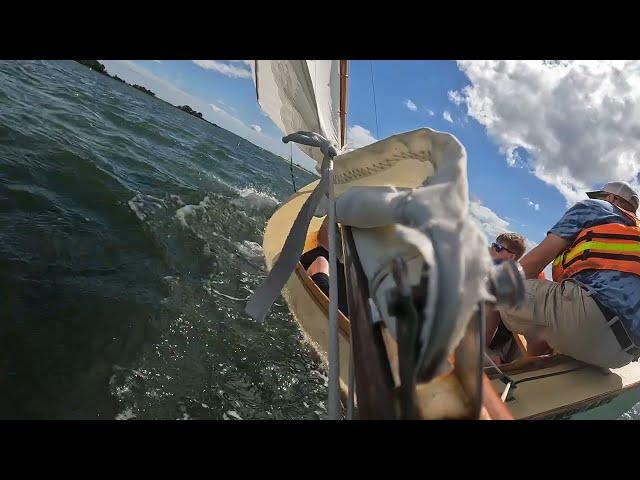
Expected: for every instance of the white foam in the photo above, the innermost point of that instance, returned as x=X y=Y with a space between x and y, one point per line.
x=184 y=212
x=145 y=205
x=231 y=413
x=252 y=198
x=126 y=415
x=188 y=210
x=250 y=250
x=177 y=199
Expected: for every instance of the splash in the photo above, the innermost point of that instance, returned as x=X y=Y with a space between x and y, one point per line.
x=145 y=206
x=255 y=199
x=252 y=251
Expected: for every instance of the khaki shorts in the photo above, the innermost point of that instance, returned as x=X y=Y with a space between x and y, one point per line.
x=568 y=319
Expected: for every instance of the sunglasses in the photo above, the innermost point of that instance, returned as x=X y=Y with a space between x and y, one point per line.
x=498 y=248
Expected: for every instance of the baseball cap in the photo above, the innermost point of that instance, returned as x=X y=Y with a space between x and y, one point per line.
x=621 y=189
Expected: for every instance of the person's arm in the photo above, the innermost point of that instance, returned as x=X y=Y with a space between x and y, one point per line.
x=540 y=256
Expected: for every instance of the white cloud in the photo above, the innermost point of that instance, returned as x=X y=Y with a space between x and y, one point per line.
x=228 y=69
x=455 y=97
x=257 y=128
x=410 y=105
x=578 y=121
x=216 y=108
x=431 y=113
x=447 y=116
x=221 y=102
x=490 y=223
x=487 y=220
x=358 y=136
x=534 y=205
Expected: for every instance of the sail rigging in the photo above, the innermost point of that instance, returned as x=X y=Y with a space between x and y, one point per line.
x=304 y=95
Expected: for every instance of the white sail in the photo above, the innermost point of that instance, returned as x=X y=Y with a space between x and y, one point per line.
x=301 y=95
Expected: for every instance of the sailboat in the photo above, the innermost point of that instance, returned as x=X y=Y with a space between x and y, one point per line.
x=417 y=273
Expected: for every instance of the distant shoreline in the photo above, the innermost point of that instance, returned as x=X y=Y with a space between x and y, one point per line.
x=100 y=68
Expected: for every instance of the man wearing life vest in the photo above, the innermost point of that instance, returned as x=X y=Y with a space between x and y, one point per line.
x=591 y=310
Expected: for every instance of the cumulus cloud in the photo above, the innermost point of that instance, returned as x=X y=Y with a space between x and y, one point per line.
x=578 y=121
x=447 y=116
x=410 y=105
x=228 y=69
x=490 y=223
x=257 y=128
x=358 y=136
x=431 y=113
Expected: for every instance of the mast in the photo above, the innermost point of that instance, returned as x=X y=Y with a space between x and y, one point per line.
x=344 y=75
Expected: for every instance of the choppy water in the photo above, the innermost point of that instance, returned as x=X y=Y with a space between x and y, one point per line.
x=129 y=234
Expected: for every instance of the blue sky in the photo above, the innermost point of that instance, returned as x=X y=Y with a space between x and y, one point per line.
x=528 y=127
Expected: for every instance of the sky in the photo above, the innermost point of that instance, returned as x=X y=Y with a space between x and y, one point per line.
x=538 y=134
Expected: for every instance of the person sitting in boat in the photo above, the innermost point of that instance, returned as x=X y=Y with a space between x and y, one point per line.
x=507 y=246
x=591 y=309
x=316 y=263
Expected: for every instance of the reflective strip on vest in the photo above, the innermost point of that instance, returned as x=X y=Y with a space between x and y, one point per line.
x=611 y=246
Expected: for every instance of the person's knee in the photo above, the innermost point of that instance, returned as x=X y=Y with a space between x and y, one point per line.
x=319 y=265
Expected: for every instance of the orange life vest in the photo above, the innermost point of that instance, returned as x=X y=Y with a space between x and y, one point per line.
x=612 y=246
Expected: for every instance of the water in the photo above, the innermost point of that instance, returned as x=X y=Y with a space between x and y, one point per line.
x=130 y=234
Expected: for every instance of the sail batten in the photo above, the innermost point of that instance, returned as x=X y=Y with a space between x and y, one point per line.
x=302 y=95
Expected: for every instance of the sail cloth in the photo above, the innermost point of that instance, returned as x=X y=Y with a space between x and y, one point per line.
x=428 y=224
x=301 y=95
x=407 y=195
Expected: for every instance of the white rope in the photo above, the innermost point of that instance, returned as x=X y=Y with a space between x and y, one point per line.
x=229 y=296
x=508 y=381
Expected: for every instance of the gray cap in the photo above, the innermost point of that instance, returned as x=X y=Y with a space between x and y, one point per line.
x=621 y=189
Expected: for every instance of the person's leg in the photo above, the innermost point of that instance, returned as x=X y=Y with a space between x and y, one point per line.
x=563 y=315
x=319 y=273
x=319 y=265
x=536 y=347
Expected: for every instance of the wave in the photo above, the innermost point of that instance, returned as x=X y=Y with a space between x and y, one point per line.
x=255 y=199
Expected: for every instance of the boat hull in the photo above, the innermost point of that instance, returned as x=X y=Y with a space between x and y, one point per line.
x=548 y=387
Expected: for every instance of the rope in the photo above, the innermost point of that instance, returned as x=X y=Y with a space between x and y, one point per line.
x=375 y=107
x=229 y=296
x=270 y=289
x=293 y=179
x=504 y=377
